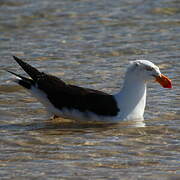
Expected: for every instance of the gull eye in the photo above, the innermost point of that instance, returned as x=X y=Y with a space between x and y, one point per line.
x=149 y=68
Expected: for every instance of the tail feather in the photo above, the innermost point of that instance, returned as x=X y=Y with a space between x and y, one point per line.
x=31 y=71
x=23 y=81
x=24 y=84
x=22 y=77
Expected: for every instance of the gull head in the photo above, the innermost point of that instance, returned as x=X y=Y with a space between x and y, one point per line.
x=147 y=71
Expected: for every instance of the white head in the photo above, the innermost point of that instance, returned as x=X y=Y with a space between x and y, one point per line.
x=146 y=71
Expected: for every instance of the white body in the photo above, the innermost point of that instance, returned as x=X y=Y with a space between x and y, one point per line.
x=131 y=101
x=127 y=111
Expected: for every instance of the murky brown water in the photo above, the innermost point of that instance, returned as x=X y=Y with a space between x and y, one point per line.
x=89 y=43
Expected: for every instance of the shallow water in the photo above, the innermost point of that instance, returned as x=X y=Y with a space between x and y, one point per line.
x=89 y=43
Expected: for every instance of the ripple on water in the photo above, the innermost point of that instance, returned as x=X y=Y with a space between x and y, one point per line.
x=89 y=44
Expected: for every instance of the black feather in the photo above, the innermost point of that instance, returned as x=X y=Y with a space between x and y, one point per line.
x=23 y=81
x=31 y=71
x=63 y=95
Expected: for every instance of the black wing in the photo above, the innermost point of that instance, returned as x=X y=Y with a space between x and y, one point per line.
x=63 y=95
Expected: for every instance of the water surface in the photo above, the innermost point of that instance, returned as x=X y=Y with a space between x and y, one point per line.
x=89 y=43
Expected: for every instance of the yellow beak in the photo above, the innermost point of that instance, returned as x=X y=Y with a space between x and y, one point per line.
x=164 y=81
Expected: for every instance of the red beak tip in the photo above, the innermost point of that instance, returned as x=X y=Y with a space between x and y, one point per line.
x=169 y=85
x=164 y=81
